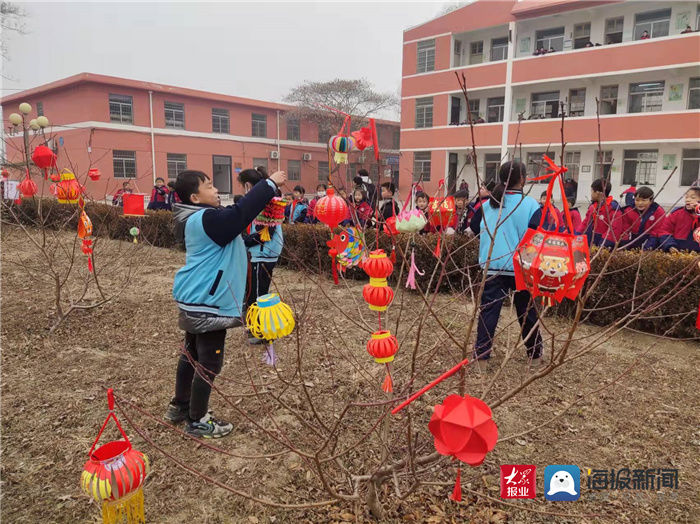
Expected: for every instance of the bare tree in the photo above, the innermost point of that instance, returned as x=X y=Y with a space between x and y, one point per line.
x=12 y=19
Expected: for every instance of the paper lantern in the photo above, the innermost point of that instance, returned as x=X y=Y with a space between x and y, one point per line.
x=94 y=174
x=44 y=159
x=341 y=146
x=350 y=251
x=84 y=233
x=410 y=221
x=377 y=294
x=331 y=209
x=68 y=189
x=442 y=212
x=25 y=108
x=133 y=204
x=390 y=226
x=382 y=346
x=4 y=173
x=269 y=319
x=271 y=216
x=463 y=428
x=378 y=264
x=114 y=475
x=27 y=187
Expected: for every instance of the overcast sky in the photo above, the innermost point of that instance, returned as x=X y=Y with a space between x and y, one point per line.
x=252 y=49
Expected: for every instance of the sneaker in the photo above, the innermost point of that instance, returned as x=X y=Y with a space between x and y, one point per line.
x=176 y=413
x=208 y=427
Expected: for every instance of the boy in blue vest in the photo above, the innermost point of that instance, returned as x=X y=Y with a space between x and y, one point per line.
x=209 y=289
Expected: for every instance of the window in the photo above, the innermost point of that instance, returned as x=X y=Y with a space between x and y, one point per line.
x=476 y=52
x=577 y=101
x=39 y=109
x=293 y=130
x=260 y=162
x=545 y=105
x=535 y=163
x=120 y=109
x=550 y=38
x=259 y=125
x=694 y=94
x=582 y=35
x=572 y=163
x=124 y=163
x=455 y=110
x=608 y=100
x=492 y=161
x=613 y=30
x=639 y=167
x=323 y=174
x=494 y=109
x=690 y=169
x=457 y=49
x=219 y=121
x=221 y=169
x=175 y=115
x=421 y=166
x=424 y=112
x=425 y=56
x=603 y=164
x=646 y=97
x=654 y=23
x=176 y=164
x=474 y=109
x=499 y=49
x=294 y=169
x=396 y=143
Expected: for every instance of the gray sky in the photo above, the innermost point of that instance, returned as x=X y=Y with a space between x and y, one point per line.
x=257 y=50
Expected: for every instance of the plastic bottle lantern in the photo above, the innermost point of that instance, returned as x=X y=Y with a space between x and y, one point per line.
x=331 y=209
x=68 y=189
x=94 y=174
x=341 y=146
x=463 y=428
x=269 y=319
x=114 y=475
x=44 y=159
x=442 y=211
x=27 y=186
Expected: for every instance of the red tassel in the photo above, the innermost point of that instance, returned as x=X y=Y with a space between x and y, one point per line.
x=437 y=248
x=90 y=264
x=335 y=271
x=457 y=491
x=697 y=322
x=387 y=385
x=393 y=255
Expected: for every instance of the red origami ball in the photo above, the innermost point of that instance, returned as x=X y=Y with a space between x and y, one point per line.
x=331 y=209
x=377 y=265
x=43 y=157
x=378 y=296
x=463 y=428
x=382 y=346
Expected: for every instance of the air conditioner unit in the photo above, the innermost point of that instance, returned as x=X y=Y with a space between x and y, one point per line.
x=274 y=155
x=306 y=157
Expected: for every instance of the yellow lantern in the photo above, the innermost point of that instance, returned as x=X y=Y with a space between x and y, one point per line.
x=269 y=319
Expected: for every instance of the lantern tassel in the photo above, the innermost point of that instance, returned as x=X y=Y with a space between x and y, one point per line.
x=437 y=248
x=334 y=265
x=393 y=255
x=413 y=271
x=265 y=234
x=90 y=267
x=457 y=491
x=387 y=385
x=129 y=507
x=340 y=158
x=270 y=356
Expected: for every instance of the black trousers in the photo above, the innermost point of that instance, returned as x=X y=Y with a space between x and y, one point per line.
x=190 y=387
x=260 y=279
x=496 y=289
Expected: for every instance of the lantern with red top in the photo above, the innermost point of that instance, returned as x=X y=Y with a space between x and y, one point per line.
x=382 y=346
x=332 y=210
x=552 y=264
x=94 y=174
x=68 y=190
x=44 y=159
x=27 y=187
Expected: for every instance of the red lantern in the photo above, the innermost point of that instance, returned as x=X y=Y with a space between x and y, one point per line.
x=4 y=173
x=382 y=346
x=331 y=209
x=68 y=190
x=442 y=212
x=463 y=428
x=94 y=174
x=378 y=264
x=44 y=159
x=27 y=186
x=133 y=204
x=377 y=294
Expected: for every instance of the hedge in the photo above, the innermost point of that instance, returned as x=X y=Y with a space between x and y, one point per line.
x=305 y=249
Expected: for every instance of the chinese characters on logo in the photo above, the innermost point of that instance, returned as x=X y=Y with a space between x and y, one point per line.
x=518 y=481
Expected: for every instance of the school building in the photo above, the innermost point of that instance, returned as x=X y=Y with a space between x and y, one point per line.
x=522 y=60
x=136 y=130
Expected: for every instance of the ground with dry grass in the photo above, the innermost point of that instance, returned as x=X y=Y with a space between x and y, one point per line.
x=53 y=402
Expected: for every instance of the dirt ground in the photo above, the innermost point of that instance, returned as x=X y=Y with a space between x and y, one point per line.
x=53 y=402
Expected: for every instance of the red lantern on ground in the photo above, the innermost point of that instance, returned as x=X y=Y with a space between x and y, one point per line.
x=27 y=186
x=331 y=209
x=94 y=174
x=463 y=428
x=442 y=212
x=68 y=189
x=382 y=346
x=44 y=159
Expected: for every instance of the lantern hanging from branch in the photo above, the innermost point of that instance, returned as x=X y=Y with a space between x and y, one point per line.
x=332 y=210
x=349 y=248
x=114 y=475
x=377 y=293
x=341 y=146
x=68 y=189
x=27 y=187
x=269 y=319
x=411 y=221
x=463 y=428
x=44 y=159
x=94 y=174
x=271 y=216
x=382 y=346
x=85 y=233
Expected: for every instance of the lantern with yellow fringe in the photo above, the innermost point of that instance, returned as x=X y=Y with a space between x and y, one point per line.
x=68 y=189
x=269 y=319
x=271 y=216
x=382 y=346
x=341 y=146
x=114 y=475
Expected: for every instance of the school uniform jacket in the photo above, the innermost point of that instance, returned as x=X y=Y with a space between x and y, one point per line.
x=641 y=230
x=601 y=225
x=677 y=230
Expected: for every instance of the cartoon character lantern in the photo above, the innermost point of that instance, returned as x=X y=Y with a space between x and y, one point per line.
x=114 y=475
x=332 y=210
x=269 y=319
x=552 y=264
x=68 y=189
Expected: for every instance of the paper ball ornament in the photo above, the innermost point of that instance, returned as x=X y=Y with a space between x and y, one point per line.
x=382 y=346
x=269 y=318
x=25 y=108
x=45 y=159
x=341 y=146
x=331 y=209
x=27 y=186
x=410 y=221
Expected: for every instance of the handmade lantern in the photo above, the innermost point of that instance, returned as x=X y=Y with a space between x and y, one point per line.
x=378 y=265
x=377 y=293
x=134 y=232
x=85 y=233
x=348 y=246
x=442 y=212
x=331 y=209
x=133 y=204
x=269 y=319
x=552 y=264
x=114 y=475
x=68 y=189
x=27 y=187
x=44 y=159
x=94 y=174
x=341 y=146
x=271 y=216
x=463 y=428
x=410 y=221
x=382 y=346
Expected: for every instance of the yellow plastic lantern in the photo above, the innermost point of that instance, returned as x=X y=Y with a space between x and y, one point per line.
x=270 y=318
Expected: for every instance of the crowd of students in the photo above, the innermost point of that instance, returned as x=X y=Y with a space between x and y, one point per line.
x=163 y=196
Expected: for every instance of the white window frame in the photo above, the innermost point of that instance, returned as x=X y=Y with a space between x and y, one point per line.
x=421 y=166
x=694 y=89
x=652 y=99
x=645 y=166
x=424 y=112
x=457 y=53
x=655 y=25
x=499 y=49
x=425 y=56
x=293 y=124
x=122 y=162
x=174 y=115
x=177 y=163
x=538 y=108
x=583 y=37
x=492 y=162
x=476 y=58
x=690 y=155
x=535 y=163
x=573 y=164
x=121 y=108
x=474 y=108
x=606 y=98
x=608 y=32
x=258 y=125
x=500 y=108
x=542 y=37
x=577 y=108
x=220 y=120
x=600 y=167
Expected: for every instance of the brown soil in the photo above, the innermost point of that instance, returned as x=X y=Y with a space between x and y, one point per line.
x=53 y=402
